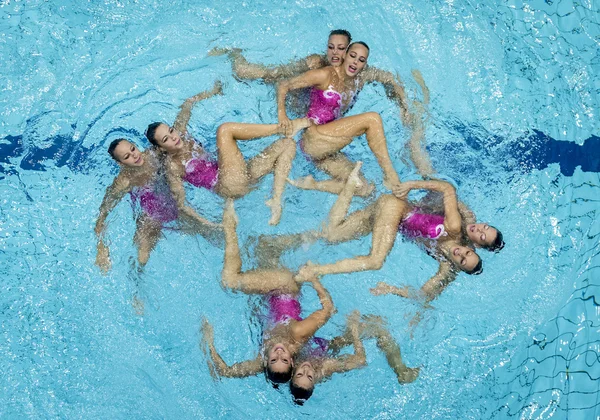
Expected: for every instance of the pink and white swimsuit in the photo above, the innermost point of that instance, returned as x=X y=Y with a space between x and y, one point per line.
x=326 y=105
x=422 y=225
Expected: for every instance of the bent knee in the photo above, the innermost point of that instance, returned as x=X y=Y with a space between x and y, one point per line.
x=224 y=132
x=288 y=144
x=229 y=280
x=375 y=263
x=373 y=118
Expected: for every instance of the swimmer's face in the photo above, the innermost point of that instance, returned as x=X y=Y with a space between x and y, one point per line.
x=304 y=376
x=482 y=234
x=128 y=154
x=355 y=59
x=279 y=359
x=464 y=257
x=336 y=46
x=168 y=138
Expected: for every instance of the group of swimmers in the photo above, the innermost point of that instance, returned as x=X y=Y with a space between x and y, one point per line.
x=444 y=226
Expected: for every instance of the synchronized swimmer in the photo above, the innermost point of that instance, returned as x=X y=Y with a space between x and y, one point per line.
x=440 y=223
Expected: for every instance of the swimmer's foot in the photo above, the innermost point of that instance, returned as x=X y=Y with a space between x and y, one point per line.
x=354 y=177
x=421 y=82
x=276 y=209
x=299 y=124
x=304 y=183
x=217 y=51
x=408 y=375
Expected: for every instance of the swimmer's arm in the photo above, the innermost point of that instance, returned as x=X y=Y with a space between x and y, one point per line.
x=418 y=154
x=394 y=88
x=237 y=370
x=183 y=118
x=318 y=77
x=114 y=193
x=176 y=185
x=303 y=330
x=348 y=362
x=445 y=275
x=466 y=213
x=252 y=71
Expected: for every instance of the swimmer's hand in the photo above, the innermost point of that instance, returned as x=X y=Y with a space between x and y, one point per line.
x=307 y=274
x=103 y=257
x=353 y=320
x=208 y=333
x=401 y=190
x=285 y=127
x=217 y=88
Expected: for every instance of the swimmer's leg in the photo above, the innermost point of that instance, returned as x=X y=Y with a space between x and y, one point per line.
x=339 y=167
x=276 y=158
x=388 y=212
x=146 y=237
x=270 y=247
x=340 y=227
x=324 y=140
x=421 y=82
x=250 y=282
x=234 y=176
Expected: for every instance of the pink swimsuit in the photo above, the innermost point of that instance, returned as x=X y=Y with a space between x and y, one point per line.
x=283 y=308
x=202 y=172
x=422 y=225
x=326 y=105
x=156 y=202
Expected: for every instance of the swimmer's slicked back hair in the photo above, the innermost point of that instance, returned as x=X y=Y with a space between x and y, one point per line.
x=364 y=44
x=278 y=377
x=112 y=146
x=478 y=269
x=341 y=32
x=498 y=244
x=151 y=131
x=300 y=394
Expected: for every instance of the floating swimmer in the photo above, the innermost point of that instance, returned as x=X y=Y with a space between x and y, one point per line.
x=285 y=333
x=141 y=176
x=320 y=359
x=337 y=44
x=230 y=175
x=333 y=92
x=390 y=215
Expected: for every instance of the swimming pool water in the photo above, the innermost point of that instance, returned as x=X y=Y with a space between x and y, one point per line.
x=512 y=82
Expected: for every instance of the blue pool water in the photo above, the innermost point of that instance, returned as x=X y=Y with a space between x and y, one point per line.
x=514 y=123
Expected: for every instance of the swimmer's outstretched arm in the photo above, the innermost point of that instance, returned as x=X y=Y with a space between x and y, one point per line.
x=185 y=113
x=348 y=362
x=318 y=77
x=445 y=275
x=303 y=330
x=114 y=194
x=394 y=88
x=237 y=370
x=251 y=71
x=200 y=224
